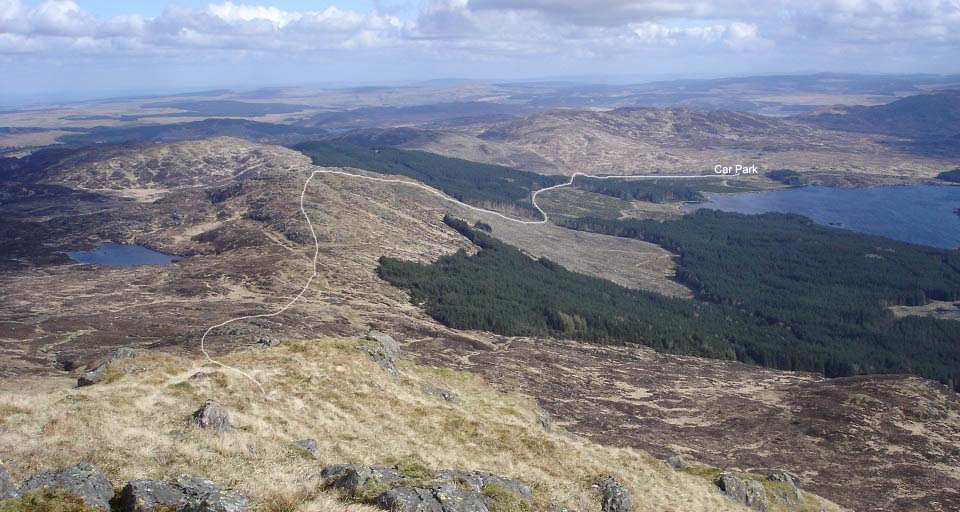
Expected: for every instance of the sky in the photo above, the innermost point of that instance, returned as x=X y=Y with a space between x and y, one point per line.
x=56 y=50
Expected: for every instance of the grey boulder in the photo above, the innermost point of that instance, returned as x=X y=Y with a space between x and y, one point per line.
x=677 y=462
x=147 y=495
x=747 y=491
x=383 y=349
x=309 y=445
x=213 y=416
x=443 y=394
x=353 y=477
x=7 y=489
x=613 y=496
x=84 y=481
x=93 y=376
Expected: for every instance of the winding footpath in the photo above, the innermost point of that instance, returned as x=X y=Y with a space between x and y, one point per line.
x=316 y=241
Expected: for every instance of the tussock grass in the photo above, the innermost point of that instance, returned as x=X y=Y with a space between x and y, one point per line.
x=137 y=426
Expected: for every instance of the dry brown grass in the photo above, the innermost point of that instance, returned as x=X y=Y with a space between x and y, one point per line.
x=137 y=427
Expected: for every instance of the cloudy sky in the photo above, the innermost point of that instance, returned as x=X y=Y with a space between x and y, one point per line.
x=66 y=49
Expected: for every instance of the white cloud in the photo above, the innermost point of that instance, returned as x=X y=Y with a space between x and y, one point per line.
x=484 y=28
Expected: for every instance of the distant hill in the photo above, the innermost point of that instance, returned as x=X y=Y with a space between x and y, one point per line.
x=240 y=128
x=922 y=116
x=675 y=126
x=447 y=113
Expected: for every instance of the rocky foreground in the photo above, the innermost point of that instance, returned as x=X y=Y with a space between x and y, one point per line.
x=346 y=424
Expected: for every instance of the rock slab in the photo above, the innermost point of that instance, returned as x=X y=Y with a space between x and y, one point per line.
x=183 y=493
x=84 y=481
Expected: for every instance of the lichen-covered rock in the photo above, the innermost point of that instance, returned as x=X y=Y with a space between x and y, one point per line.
x=677 y=462
x=183 y=493
x=545 y=420
x=383 y=349
x=745 y=490
x=7 y=489
x=194 y=488
x=478 y=480
x=147 y=495
x=409 y=499
x=266 y=340
x=614 y=496
x=453 y=499
x=222 y=501
x=93 y=376
x=213 y=416
x=84 y=481
x=355 y=478
x=791 y=493
x=444 y=394
x=310 y=446
x=440 y=491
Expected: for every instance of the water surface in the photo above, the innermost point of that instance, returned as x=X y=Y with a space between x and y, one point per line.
x=121 y=255
x=920 y=214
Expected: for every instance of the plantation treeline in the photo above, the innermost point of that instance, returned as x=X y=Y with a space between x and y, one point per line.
x=500 y=289
x=471 y=182
x=654 y=191
x=831 y=288
x=787 y=177
x=774 y=290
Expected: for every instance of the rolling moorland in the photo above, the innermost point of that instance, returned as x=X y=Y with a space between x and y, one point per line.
x=620 y=371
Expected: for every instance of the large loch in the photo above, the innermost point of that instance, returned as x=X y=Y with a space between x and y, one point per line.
x=920 y=214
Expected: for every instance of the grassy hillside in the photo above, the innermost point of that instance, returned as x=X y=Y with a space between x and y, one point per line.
x=136 y=426
x=471 y=182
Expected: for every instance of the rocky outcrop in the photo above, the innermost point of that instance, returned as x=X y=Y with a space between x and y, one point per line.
x=439 y=499
x=444 y=394
x=184 y=493
x=745 y=490
x=677 y=462
x=213 y=416
x=437 y=491
x=147 y=495
x=7 y=489
x=96 y=375
x=309 y=446
x=788 y=491
x=613 y=496
x=383 y=349
x=84 y=481
x=353 y=478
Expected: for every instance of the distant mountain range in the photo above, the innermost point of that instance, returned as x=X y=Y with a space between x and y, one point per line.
x=923 y=115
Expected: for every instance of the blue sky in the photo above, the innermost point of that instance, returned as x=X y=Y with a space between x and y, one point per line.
x=67 y=49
